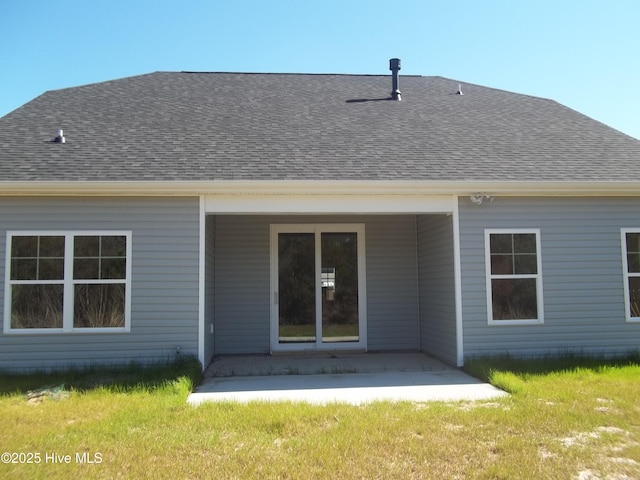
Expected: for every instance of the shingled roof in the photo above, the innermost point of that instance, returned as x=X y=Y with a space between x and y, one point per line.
x=237 y=126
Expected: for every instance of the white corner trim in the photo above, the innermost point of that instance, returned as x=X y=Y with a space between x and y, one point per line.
x=457 y=278
x=201 y=280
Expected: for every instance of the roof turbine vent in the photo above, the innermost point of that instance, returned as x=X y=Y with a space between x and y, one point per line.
x=394 y=66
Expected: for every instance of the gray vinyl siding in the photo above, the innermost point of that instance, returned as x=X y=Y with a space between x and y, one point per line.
x=392 y=283
x=437 y=287
x=581 y=274
x=242 y=285
x=209 y=290
x=164 y=289
x=242 y=264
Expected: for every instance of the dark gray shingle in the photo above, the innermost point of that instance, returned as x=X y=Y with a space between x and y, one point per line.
x=222 y=126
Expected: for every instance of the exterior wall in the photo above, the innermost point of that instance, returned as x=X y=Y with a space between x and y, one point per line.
x=242 y=265
x=581 y=274
x=241 y=322
x=164 y=300
x=437 y=294
x=392 y=283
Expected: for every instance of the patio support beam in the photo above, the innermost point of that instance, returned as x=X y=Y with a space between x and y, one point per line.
x=316 y=203
x=457 y=276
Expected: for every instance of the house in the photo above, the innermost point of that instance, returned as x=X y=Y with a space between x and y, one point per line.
x=233 y=213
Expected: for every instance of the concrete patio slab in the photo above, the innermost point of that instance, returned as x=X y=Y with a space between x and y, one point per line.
x=376 y=377
x=321 y=363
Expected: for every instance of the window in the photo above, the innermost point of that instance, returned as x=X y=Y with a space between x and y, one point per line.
x=63 y=282
x=514 y=279
x=631 y=269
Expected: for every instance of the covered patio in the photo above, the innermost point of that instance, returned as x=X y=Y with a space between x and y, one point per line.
x=381 y=277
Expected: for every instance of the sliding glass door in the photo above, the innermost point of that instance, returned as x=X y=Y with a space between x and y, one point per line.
x=317 y=279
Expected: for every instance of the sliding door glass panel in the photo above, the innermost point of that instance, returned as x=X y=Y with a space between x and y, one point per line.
x=339 y=279
x=296 y=288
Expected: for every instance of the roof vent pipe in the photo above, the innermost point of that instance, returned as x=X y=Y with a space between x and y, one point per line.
x=60 y=138
x=394 y=66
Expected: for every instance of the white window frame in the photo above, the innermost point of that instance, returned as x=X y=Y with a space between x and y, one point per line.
x=626 y=275
x=490 y=277
x=68 y=282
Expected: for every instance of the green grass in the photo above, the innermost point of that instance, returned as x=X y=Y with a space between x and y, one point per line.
x=564 y=418
x=132 y=377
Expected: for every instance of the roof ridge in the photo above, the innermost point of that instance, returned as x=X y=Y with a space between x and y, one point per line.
x=290 y=73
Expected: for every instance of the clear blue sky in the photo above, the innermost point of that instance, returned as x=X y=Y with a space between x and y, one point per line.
x=582 y=53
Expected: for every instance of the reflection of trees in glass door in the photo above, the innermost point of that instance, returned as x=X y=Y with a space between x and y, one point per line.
x=318 y=281
x=339 y=254
x=296 y=287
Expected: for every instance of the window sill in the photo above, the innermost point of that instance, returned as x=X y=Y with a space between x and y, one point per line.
x=58 y=331
x=494 y=323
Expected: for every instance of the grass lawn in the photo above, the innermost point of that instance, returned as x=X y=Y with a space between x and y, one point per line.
x=566 y=419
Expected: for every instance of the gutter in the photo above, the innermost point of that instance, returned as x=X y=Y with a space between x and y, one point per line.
x=319 y=187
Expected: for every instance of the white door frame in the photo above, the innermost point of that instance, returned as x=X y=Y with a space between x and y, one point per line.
x=317 y=229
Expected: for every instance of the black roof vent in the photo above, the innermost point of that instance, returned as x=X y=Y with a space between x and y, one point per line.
x=394 y=66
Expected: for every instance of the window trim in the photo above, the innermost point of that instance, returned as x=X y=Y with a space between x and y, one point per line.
x=68 y=282
x=625 y=274
x=489 y=276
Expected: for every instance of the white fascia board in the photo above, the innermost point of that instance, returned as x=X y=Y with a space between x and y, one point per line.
x=306 y=187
